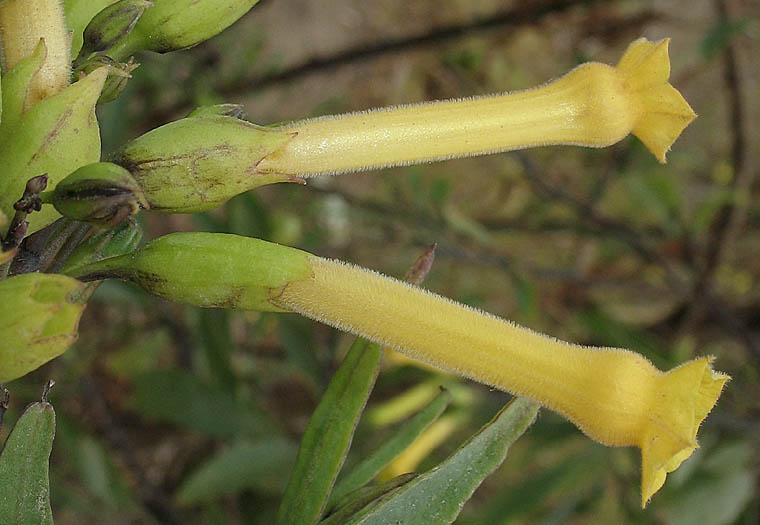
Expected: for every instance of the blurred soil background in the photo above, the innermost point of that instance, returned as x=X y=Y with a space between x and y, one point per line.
x=168 y=414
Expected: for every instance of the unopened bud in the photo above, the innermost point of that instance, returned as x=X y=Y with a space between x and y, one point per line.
x=79 y=13
x=99 y=193
x=198 y=163
x=112 y=25
x=171 y=25
x=118 y=75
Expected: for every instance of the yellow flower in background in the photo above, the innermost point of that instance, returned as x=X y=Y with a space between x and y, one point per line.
x=594 y=105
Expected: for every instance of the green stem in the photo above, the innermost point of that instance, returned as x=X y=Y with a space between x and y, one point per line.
x=111 y=268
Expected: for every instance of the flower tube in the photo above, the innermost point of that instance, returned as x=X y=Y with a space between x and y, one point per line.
x=616 y=397
x=594 y=105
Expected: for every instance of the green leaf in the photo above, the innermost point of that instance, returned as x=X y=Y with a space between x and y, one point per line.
x=328 y=435
x=390 y=449
x=719 y=489
x=363 y=497
x=566 y=476
x=261 y=465
x=438 y=495
x=39 y=320
x=24 y=465
x=296 y=335
x=713 y=501
x=55 y=136
x=183 y=399
x=720 y=35
x=215 y=342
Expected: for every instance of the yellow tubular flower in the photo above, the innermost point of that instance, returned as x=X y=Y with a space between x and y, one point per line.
x=22 y=24
x=594 y=105
x=435 y=435
x=616 y=397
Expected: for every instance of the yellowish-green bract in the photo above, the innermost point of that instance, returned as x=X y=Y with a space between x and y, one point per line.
x=39 y=318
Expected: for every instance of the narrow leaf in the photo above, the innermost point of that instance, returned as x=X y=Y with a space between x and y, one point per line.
x=24 y=465
x=183 y=399
x=261 y=465
x=438 y=495
x=363 y=497
x=328 y=435
x=391 y=448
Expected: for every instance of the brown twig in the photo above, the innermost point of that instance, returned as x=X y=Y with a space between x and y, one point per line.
x=726 y=224
x=5 y=399
x=719 y=238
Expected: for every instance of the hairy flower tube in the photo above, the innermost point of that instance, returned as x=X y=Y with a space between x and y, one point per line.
x=616 y=397
x=594 y=105
x=199 y=162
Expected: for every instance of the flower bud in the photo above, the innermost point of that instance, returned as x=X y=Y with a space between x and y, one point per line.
x=39 y=318
x=78 y=14
x=198 y=163
x=99 y=193
x=171 y=25
x=112 y=25
x=118 y=75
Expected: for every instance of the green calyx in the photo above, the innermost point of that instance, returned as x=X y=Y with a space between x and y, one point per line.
x=171 y=25
x=112 y=25
x=78 y=14
x=55 y=136
x=210 y=270
x=119 y=74
x=198 y=163
x=99 y=193
x=39 y=318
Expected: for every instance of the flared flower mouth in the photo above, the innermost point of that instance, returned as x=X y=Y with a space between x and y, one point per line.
x=664 y=113
x=684 y=397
